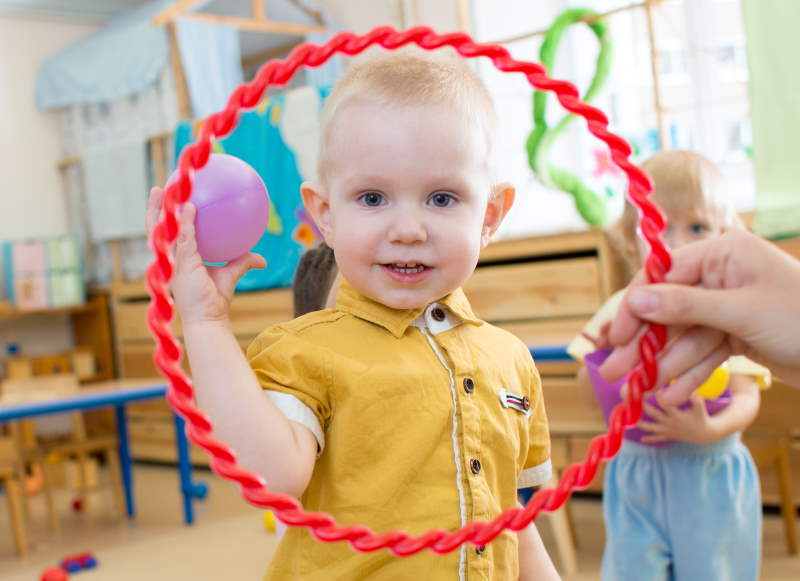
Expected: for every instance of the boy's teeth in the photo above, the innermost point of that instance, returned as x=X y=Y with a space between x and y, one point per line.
x=408 y=268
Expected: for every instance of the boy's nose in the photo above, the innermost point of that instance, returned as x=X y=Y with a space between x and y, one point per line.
x=407 y=229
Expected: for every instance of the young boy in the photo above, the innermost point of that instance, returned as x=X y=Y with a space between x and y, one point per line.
x=398 y=409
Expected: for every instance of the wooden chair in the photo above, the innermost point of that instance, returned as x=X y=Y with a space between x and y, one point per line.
x=76 y=444
x=769 y=440
x=12 y=481
x=775 y=452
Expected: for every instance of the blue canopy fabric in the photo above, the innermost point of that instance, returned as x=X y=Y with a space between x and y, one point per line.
x=115 y=62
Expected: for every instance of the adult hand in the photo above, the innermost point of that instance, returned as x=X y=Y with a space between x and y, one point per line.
x=733 y=294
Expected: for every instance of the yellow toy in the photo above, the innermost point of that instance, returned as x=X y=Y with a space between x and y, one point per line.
x=269 y=521
x=713 y=387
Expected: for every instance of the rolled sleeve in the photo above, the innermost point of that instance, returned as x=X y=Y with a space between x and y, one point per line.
x=295 y=374
x=537 y=467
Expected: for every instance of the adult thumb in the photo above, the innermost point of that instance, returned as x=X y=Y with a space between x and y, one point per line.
x=675 y=304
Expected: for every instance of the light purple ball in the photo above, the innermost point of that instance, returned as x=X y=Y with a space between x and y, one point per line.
x=232 y=208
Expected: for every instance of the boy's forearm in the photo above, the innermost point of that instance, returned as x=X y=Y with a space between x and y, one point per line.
x=742 y=410
x=226 y=389
x=534 y=562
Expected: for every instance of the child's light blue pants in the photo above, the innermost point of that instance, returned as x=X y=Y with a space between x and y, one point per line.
x=685 y=513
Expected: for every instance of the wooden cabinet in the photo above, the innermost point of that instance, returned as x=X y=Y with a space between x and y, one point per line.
x=91 y=333
x=543 y=289
x=151 y=428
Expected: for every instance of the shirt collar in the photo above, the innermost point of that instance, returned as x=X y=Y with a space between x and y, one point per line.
x=396 y=321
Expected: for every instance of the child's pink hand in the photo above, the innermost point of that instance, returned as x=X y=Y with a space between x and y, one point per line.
x=670 y=423
x=601 y=341
x=202 y=293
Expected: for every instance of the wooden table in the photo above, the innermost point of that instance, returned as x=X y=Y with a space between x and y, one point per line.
x=116 y=394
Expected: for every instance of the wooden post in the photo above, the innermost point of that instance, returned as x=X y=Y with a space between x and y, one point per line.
x=464 y=16
x=257 y=7
x=181 y=90
x=655 y=69
x=159 y=160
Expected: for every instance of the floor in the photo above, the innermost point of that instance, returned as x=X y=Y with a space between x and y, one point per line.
x=229 y=541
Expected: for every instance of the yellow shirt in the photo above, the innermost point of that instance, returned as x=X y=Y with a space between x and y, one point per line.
x=425 y=418
x=580 y=346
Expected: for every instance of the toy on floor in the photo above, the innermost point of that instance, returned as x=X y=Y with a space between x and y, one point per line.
x=195 y=157
x=79 y=562
x=77 y=504
x=54 y=574
x=269 y=521
x=232 y=207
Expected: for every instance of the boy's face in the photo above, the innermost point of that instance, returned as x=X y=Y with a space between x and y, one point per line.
x=407 y=204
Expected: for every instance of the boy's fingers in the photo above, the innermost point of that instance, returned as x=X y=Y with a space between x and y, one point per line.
x=654 y=412
x=186 y=244
x=646 y=426
x=244 y=263
x=153 y=209
x=655 y=439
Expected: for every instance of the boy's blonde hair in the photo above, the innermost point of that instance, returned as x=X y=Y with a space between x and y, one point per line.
x=684 y=182
x=410 y=77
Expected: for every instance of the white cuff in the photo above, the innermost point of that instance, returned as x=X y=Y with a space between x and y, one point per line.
x=536 y=475
x=296 y=411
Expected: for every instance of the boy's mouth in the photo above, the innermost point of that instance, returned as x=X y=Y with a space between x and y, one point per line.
x=406 y=272
x=406 y=267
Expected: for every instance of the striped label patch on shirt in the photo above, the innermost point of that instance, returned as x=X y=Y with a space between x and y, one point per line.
x=517 y=402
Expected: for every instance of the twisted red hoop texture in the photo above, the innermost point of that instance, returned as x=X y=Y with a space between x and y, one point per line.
x=168 y=352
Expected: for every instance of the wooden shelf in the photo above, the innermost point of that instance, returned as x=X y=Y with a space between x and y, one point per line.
x=18 y=314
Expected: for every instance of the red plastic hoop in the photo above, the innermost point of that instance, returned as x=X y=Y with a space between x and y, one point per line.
x=168 y=353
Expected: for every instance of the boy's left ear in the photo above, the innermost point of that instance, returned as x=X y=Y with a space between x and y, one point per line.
x=500 y=201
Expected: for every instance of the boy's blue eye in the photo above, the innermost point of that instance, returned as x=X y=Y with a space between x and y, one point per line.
x=442 y=199
x=372 y=199
x=698 y=228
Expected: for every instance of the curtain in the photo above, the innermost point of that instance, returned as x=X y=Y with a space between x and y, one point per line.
x=773 y=44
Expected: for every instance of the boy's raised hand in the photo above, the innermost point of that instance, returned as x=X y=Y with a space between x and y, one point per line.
x=202 y=293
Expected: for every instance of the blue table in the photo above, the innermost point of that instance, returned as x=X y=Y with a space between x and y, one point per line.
x=116 y=393
x=550 y=353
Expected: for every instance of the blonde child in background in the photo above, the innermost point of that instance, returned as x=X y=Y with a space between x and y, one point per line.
x=399 y=408
x=691 y=511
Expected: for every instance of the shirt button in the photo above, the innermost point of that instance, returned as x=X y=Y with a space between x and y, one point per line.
x=479 y=550
x=438 y=314
x=526 y=403
x=469 y=385
x=475 y=465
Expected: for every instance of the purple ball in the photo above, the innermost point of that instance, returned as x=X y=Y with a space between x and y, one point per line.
x=232 y=208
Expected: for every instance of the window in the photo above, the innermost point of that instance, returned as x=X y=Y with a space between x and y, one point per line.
x=704 y=101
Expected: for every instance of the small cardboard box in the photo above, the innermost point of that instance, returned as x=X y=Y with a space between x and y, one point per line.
x=28 y=257
x=83 y=364
x=19 y=367
x=64 y=253
x=30 y=291
x=66 y=288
